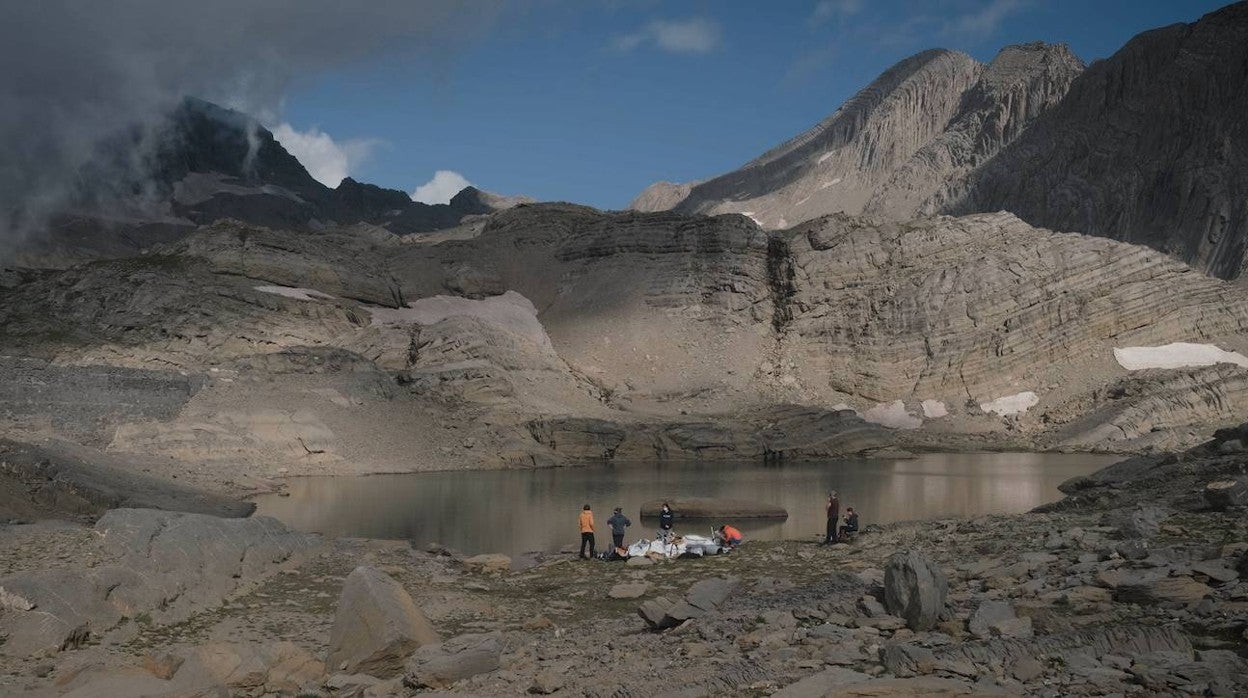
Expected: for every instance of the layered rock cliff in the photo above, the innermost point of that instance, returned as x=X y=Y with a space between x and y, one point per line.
x=1149 y=146
x=555 y=331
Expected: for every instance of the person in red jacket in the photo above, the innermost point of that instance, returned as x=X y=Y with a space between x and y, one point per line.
x=730 y=535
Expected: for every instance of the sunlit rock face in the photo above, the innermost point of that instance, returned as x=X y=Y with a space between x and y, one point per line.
x=899 y=148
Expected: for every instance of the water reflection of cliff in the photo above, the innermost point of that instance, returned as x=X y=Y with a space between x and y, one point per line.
x=515 y=511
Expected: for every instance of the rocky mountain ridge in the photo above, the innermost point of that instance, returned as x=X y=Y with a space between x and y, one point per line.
x=204 y=163
x=1147 y=146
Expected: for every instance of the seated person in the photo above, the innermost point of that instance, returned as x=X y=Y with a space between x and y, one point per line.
x=851 y=524
x=730 y=536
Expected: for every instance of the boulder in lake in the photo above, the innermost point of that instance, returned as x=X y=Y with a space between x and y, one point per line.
x=714 y=508
x=914 y=589
x=377 y=626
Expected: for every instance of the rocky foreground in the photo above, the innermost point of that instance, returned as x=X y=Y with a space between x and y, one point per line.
x=1135 y=584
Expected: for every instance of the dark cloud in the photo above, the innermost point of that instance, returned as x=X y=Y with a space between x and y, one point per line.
x=76 y=73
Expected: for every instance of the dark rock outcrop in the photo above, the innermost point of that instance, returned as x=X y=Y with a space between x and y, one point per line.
x=1148 y=146
x=915 y=589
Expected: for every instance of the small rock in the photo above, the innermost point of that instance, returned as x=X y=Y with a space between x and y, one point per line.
x=628 y=590
x=1026 y=668
x=547 y=682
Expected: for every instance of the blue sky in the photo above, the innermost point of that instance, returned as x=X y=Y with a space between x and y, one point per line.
x=592 y=101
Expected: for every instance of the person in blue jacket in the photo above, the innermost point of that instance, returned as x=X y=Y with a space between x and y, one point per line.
x=618 y=522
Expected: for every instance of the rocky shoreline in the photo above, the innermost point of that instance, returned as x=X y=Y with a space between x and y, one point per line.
x=1134 y=584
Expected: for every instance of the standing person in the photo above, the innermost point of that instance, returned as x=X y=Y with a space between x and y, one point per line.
x=834 y=516
x=618 y=522
x=851 y=523
x=587 y=531
x=666 y=517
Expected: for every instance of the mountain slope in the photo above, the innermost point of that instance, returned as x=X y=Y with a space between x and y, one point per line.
x=893 y=148
x=1149 y=146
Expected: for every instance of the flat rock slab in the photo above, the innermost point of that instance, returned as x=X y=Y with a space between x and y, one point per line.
x=714 y=508
x=628 y=590
x=170 y=565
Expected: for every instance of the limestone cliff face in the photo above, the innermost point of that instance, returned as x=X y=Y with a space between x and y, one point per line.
x=1149 y=146
x=1020 y=84
x=656 y=334
x=984 y=306
x=838 y=164
x=899 y=148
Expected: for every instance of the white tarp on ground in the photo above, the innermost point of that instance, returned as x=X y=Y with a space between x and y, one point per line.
x=675 y=547
x=1176 y=355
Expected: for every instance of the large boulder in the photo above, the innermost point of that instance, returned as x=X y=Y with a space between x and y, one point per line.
x=377 y=626
x=714 y=508
x=914 y=589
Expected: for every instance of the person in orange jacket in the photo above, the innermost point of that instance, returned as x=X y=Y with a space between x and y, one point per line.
x=587 y=531
x=730 y=535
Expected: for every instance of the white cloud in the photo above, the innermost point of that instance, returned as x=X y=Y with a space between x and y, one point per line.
x=695 y=35
x=439 y=190
x=984 y=21
x=833 y=10
x=325 y=159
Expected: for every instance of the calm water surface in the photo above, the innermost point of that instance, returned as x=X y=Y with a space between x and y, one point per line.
x=516 y=511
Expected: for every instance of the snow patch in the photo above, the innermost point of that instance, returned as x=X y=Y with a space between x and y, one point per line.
x=509 y=311
x=842 y=406
x=825 y=185
x=302 y=294
x=893 y=415
x=750 y=215
x=1176 y=355
x=1011 y=404
x=934 y=409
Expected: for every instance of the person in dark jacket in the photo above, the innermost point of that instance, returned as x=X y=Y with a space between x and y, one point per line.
x=618 y=522
x=851 y=524
x=834 y=516
x=666 y=517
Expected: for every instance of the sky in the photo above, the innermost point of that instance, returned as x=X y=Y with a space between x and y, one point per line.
x=591 y=102
x=577 y=100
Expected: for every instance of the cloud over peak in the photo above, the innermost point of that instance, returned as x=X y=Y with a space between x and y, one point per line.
x=327 y=160
x=439 y=190
x=693 y=35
